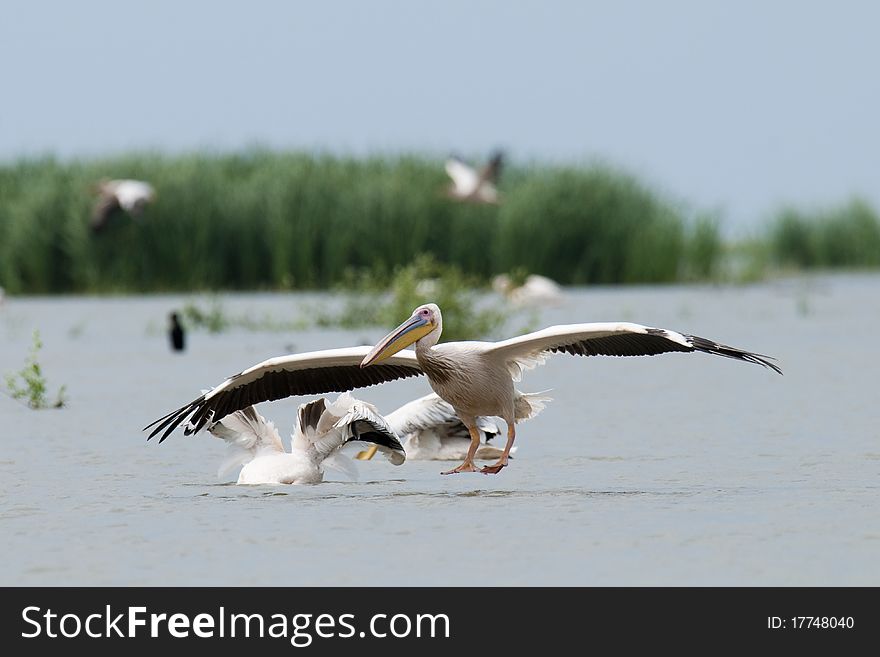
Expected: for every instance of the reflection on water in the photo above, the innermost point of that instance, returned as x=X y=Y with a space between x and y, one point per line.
x=677 y=469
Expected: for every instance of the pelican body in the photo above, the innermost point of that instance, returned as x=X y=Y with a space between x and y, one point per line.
x=464 y=374
x=536 y=290
x=475 y=378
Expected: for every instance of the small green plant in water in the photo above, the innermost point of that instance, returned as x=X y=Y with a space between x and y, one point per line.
x=381 y=301
x=213 y=318
x=29 y=384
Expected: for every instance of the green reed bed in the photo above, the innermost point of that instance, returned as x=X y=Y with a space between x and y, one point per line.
x=847 y=235
x=287 y=220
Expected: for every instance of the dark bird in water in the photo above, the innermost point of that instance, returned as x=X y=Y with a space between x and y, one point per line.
x=115 y=196
x=176 y=333
x=468 y=184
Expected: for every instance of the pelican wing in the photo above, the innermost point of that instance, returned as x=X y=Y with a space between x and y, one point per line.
x=428 y=412
x=246 y=432
x=363 y=423
x=489 y=427
x=315 y=372
x=105 y=207
x=492 y=171
x=464 y=177
x=609 y=339
x=433 y=413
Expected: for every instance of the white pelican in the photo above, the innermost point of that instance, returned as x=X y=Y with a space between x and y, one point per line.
x=322 y=430
x=536 y=290
x=471 y=185
x=114 y=195
x=429 y=429
x=476 y=378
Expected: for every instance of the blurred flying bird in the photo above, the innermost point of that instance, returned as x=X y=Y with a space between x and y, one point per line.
x=468 y=184
x=536 y=290
x=475 y=378
x=176 y=333
x=118 y=195
x=322 y=430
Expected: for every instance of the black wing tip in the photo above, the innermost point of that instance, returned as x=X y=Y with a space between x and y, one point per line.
x=761 y=359
x=168 y=423
x=201 y=410
x=377 y=435
x=310 y=413
x=717 y=349
x=382 y=439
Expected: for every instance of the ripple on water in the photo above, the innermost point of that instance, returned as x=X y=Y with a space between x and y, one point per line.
x=21 y=512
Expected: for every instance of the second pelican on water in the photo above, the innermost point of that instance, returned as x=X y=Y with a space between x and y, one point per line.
x=322 y=430
x=430 y=430
x=475 y=378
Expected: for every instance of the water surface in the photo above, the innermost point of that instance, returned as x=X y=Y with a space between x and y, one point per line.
x=676 y=469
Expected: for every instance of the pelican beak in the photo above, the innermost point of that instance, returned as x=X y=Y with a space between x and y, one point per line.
x=367 y=454
x=404 y=335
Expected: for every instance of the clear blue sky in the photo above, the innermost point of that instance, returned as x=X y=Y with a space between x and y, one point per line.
x=736 y=106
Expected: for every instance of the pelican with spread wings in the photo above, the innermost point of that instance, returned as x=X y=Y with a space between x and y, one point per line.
x=475 y=378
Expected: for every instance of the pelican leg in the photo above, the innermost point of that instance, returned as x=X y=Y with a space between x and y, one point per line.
x=502 y=461
x=468 y=464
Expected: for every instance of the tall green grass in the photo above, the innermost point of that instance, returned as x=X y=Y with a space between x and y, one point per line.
x=270 y=220
x=844 y=236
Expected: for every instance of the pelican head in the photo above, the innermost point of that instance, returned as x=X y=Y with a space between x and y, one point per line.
x=424 y=321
